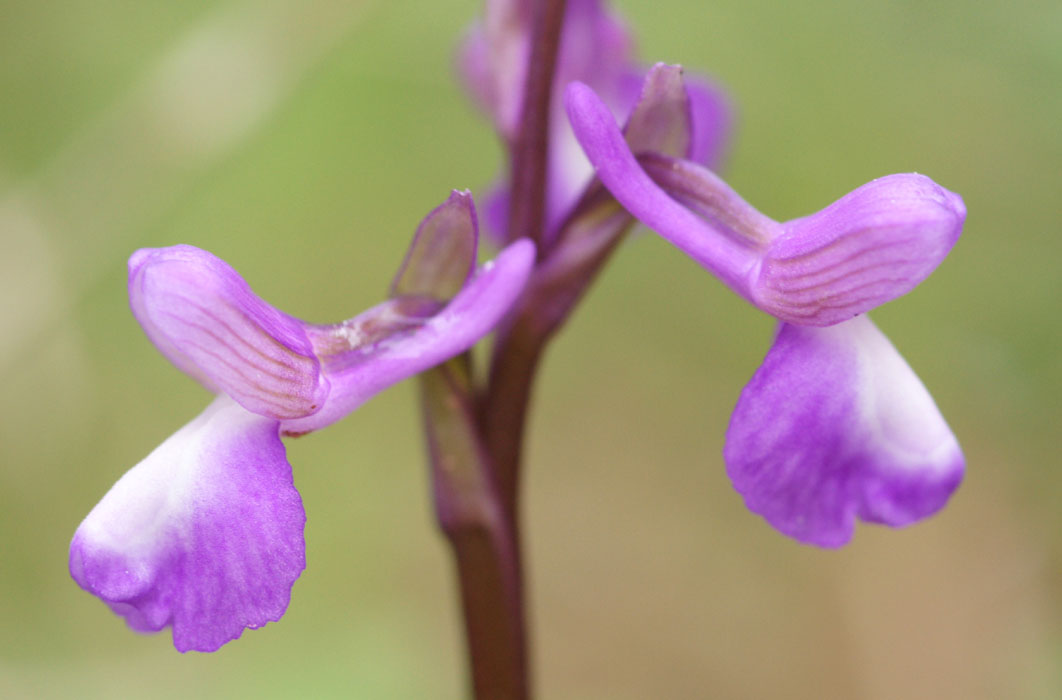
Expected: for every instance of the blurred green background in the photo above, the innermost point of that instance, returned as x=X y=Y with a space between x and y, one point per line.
x=302 y=141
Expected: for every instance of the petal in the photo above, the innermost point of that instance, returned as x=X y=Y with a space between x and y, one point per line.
x=668 y=113
x=367 y=369
x=876 y=243
x=494 y=205
x=620 y=172
x=661 y=120
x=711 y=113
x=205 y=534
x=871 y=246
x=703 y=192
x=474 y=67
x=204 y=317
x=595 y=47
x=443 y=252
x=492 y=61
x=835 y=425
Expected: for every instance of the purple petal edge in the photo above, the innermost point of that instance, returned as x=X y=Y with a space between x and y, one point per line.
x=835 y=426
x=205 y=534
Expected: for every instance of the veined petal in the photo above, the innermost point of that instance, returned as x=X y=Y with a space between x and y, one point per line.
x=710 y=113
x=443 y=252
x=835 y=425
x=205 y=534
x=876 y=243
x=661 y=121
x=366 y=368
x=204 y=317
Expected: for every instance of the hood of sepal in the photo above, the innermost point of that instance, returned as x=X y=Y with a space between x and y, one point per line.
x=207 y=321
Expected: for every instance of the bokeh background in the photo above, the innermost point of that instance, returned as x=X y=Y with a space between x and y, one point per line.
x=302 y=140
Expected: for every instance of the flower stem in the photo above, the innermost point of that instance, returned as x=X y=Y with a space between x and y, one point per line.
x=475 y=493
x=482 y=535
x=486 y=555
x=583 y=246
x=529 y=156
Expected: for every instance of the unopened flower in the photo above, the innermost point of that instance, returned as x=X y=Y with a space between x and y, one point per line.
x=205 y=534
x=834 y=425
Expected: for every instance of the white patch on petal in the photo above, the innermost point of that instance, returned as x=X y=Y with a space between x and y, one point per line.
x=204 y=535
x=157 y=493
x=896 y=409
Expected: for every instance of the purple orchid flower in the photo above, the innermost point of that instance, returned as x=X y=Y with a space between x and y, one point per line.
x=595 y=48
x=834 y=425
x=206 y=533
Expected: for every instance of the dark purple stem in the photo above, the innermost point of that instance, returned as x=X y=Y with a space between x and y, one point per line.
x=529 y=155
x=516 y=351
x=471 y=515
x=584 y=245
x=479 y=517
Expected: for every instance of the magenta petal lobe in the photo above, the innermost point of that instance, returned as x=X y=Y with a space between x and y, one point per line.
x=204 y=317
x=833 y=426
x=204 y=535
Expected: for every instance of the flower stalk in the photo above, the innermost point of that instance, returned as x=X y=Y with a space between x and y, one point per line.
x=476 y=463
x=481 y=533
x=531 y=149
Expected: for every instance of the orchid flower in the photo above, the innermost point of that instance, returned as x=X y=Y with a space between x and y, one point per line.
x=206 y=533
x=834 y=425
x=596 y=48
